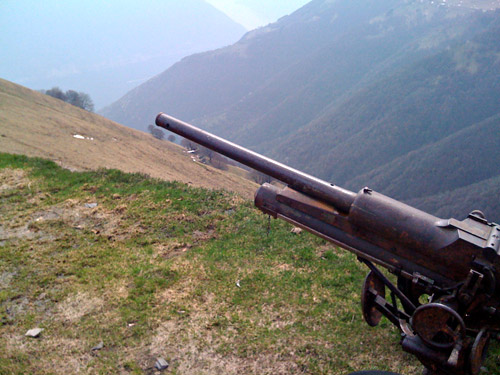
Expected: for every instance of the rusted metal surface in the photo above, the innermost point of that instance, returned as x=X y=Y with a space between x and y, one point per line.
x=454 y=262
x=478 y=351
x=438 y=325
x=299 y=180
x=373 y=288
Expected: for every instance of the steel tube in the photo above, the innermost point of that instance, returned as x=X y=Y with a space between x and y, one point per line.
x=340 y=198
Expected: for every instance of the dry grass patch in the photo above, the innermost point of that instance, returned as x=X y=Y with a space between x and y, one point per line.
x=13 y=179
x=170 y=249
x=77 y=306
x=195 y=349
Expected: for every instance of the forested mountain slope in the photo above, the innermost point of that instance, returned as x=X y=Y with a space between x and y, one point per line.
x=398 y=95
x=212 y=82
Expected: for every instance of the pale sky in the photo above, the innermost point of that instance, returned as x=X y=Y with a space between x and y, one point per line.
x=256 y=13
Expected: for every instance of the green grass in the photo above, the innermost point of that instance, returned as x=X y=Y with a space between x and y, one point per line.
x=153 y=271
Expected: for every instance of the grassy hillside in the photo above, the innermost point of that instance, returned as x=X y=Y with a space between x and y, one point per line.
x=416 y=106
x=37 y=125
x=161 y=269
x=375 y=40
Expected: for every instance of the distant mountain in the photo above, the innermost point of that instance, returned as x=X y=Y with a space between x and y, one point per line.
x=105 y=48
x=398 y=95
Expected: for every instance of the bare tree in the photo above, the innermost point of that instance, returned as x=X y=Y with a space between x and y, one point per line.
x=189 y=145
x=86 y=102
x=206 y=153
x=56 y=92
x=156 y=132
x=78 y=99
x=72 y=97
x=259 y=177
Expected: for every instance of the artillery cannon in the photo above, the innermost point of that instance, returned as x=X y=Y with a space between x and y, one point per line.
x=455 y=264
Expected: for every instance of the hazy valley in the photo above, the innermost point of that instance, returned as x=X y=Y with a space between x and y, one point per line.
x=106 y=49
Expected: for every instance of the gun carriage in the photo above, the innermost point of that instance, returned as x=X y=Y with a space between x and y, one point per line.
x=447 y=295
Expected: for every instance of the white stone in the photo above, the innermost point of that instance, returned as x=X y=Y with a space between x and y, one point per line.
x=35 y=332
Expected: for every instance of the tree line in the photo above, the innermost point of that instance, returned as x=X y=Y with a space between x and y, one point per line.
x=78 y=99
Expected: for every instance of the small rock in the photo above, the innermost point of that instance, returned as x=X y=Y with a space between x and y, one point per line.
x=35 y=332
x=296 y=230
x=42 y=296
x=161 y=364
x=90 y=205
x=98 y=346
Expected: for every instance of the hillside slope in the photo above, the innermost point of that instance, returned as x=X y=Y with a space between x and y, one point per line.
x=212 y=82
x=38 y=125
x=159 y=269
x=472 y=152
x=419 y=104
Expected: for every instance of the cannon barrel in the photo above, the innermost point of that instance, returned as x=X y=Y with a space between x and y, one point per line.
x=397 y=236
x=338 y=197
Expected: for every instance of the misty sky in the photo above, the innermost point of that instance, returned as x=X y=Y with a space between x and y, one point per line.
x=255 y=13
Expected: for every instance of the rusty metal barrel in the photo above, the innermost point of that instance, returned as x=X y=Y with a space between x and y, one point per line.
x=338 y=197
